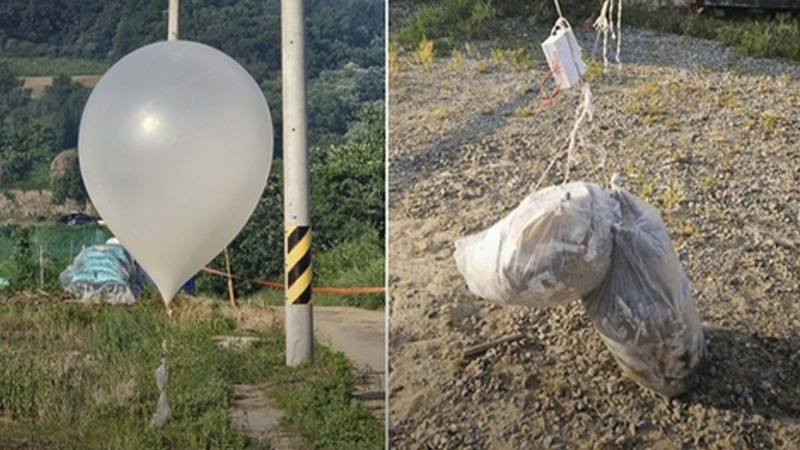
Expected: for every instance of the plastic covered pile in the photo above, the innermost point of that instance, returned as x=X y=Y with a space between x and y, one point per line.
x=644 y=309
x=555 y=247
x=613 y=251
x=104 y=273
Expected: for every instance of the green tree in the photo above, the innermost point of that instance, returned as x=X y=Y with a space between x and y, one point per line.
x=70 y=185
x=22 y=258
x=347 y=196
x=125 y=40
x=62 y=106
x=23 y=144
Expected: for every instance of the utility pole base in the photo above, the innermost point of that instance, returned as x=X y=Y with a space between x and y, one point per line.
x=299 y=326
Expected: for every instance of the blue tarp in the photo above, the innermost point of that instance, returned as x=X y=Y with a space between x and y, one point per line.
x=104 y=273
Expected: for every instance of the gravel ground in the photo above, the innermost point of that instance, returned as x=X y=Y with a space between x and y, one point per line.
x=710 y=138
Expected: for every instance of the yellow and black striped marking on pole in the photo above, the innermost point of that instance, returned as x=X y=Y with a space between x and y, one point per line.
x=297 y=250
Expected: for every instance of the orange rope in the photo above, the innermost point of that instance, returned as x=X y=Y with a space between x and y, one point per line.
x=316 y=290
x=555 y=93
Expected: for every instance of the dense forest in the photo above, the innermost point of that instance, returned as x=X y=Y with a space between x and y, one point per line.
x=345 y=61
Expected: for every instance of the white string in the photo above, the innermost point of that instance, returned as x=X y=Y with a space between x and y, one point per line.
x=583 y=110
x=558 y=8
x=602 y=26
x=605 y=24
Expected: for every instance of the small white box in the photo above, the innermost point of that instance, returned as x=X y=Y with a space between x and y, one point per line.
x=564 y=57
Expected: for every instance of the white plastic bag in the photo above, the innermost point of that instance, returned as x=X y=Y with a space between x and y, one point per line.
x=644 y=310
x=555 y=247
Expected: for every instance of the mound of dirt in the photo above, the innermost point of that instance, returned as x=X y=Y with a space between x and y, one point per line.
x=62 y=162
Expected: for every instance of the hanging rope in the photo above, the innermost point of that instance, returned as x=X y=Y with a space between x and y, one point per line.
x=547 y=101
x=584 y=109
x=602 y=26
x=558 y=8
x=605 y=25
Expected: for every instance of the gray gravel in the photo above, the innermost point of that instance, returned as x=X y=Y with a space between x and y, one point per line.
x=710 y=138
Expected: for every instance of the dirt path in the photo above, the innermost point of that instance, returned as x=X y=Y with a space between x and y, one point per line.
x=360 y=335
x=707 y=136
x=356 y=332
x=254 y=410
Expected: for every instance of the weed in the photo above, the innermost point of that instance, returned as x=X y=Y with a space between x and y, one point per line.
x=456 y=60
x=769 y=121
x=523 y=112
x=440 y=113
x=487 y=111
x=710 y=182
x=484 y=67
x=748 y=125
x=498 y=56
x=472 y=53
x=594 y=69
x=690 y=230
x=648 y=102
x=423 y=55
x=520 y=59
x=672 y=124
x=728 y=101
x=647 y=187
x=672 y=197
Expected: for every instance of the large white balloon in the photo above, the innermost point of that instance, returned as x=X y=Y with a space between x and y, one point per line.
x=175 y=147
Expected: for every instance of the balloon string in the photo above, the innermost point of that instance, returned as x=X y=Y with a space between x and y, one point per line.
x=558 y=8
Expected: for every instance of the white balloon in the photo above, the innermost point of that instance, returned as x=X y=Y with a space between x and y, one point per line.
x=175 y=146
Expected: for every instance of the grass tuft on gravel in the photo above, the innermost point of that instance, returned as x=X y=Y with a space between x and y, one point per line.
x=763 y=37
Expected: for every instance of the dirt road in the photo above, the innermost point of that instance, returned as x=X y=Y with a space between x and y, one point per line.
x=709 y=137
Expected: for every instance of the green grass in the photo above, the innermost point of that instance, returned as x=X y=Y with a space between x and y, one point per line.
x=358 y=263
x=35 y=66
x=766 y=37
x=81 y=377
x=452 y=20
x=475 y=19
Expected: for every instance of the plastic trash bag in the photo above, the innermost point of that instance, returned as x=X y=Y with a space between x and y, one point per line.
x=555 y=247
x=161 y=376
x=644 y=310
x=106 y=273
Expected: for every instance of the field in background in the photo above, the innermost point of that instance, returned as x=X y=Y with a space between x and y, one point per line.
x=38 y=84
x=37 y=66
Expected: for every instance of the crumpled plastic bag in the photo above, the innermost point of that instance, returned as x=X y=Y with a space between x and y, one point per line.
x=555 y=247
x=644 y=309
x=162 y=376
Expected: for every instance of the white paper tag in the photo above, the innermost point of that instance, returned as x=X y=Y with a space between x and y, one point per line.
x=564 y=57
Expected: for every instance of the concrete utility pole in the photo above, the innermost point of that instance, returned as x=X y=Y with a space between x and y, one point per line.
x=172 y=34
x=297 y=221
